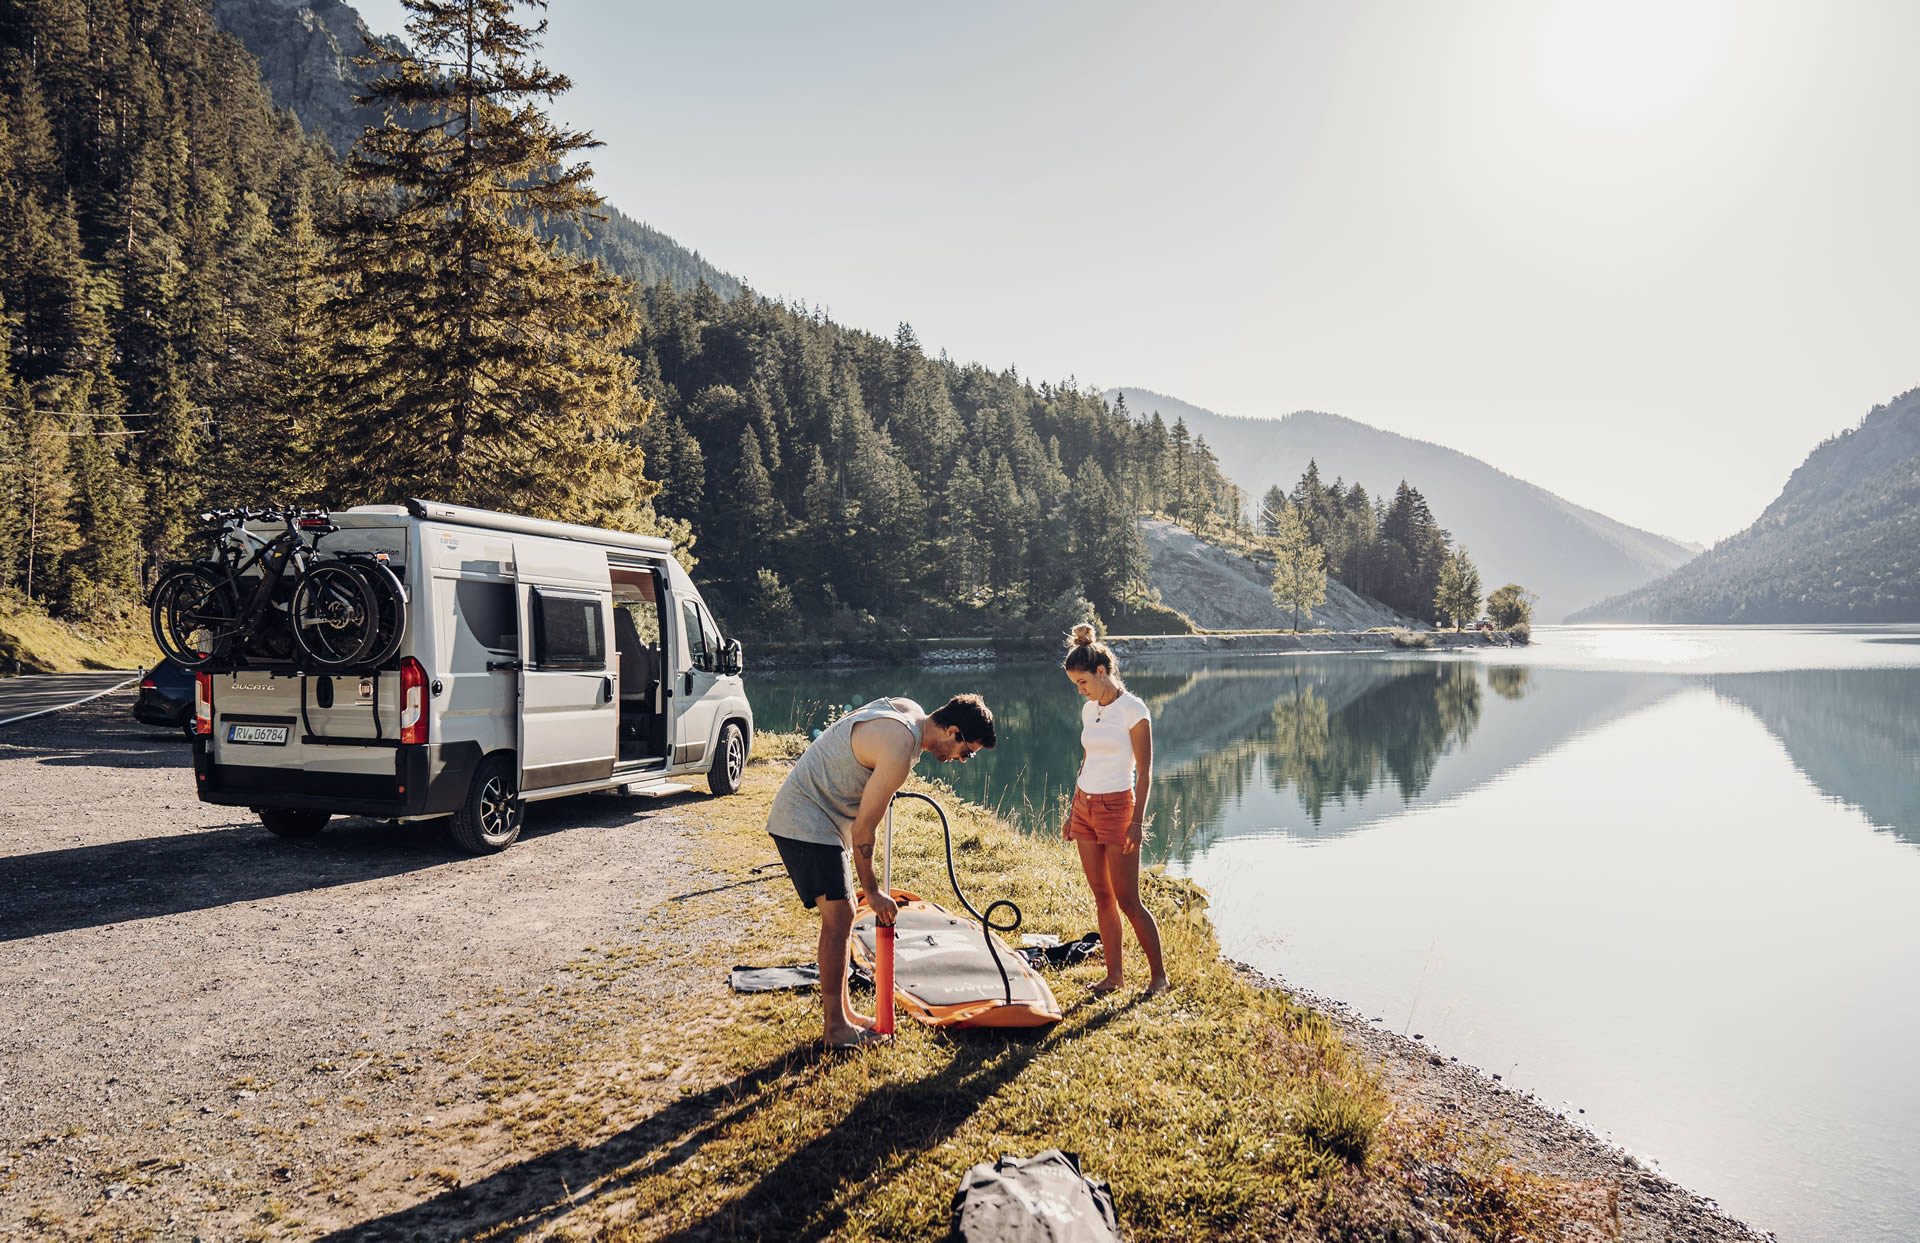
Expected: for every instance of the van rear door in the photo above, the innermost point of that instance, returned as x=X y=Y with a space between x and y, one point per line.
x=569 y=717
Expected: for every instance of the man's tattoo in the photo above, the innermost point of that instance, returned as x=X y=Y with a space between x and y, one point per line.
x=865 y=849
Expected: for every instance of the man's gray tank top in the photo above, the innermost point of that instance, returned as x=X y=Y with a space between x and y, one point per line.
x=821 y=796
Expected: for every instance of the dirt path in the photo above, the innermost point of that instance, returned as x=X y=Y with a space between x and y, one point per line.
x=202 y=1018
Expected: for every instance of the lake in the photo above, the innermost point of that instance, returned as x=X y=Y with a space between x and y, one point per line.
x=1667 y=876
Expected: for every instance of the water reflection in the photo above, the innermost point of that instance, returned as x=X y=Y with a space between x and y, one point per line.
x=1321 y=747
x=1855 y=733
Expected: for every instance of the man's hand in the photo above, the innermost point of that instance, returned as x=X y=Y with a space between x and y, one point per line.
x=885 y=909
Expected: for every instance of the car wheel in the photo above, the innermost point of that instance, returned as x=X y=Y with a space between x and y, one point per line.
x=729 y=761
x=489 y=820
x=294 y=822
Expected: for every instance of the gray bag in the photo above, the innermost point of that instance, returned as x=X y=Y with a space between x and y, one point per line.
x=1038 y=1199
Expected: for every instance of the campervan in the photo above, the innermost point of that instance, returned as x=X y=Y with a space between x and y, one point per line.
x=539 y=659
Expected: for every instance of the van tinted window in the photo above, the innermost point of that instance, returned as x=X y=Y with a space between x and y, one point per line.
x=568 y=632
x=486 y=610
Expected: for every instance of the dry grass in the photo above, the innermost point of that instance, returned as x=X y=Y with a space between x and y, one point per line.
x=1219 y=1110
x=32 y=642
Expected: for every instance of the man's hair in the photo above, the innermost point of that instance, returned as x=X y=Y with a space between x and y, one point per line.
x=970 y=715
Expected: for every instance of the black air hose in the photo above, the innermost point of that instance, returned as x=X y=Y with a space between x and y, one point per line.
x=987 y=926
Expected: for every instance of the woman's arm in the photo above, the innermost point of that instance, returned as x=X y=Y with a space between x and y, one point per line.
x=1141 y=736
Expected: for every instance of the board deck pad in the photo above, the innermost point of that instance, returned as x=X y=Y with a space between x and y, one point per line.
x=943 y=974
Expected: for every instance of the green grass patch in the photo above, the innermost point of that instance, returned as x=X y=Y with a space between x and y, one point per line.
x=33 y=642
x=1217 y=1110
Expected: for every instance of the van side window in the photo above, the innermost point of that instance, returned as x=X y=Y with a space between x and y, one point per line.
x=711 y=635
x=568 y=631
x=699 y=655
x=486 y=610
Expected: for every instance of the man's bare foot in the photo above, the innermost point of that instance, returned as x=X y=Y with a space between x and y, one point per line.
x=1156 y=987
x=1107 y=986
x=856 y=1037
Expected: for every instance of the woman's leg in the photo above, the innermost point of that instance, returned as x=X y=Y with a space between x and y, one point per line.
x=1093 y=862
x=1123 y=872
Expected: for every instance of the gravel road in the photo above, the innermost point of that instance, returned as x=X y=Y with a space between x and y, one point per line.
x=189 y=1006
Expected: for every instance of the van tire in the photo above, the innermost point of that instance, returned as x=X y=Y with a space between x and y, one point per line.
x=729 y=761
x=294 y=822
x=489 y=819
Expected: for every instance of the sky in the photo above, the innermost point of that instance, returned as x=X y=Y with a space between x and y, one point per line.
x=1644 y=254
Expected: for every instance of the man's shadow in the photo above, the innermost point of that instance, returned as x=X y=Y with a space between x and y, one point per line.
x=808 y=1195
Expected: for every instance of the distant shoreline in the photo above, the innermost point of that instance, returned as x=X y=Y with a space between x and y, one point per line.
x=941 y=652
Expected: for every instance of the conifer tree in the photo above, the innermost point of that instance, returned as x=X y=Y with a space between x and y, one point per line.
x=470 y=360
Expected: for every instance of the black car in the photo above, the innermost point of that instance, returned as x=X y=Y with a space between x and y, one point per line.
x=166 y=697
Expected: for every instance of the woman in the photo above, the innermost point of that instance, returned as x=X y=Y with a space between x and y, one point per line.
x=1110 y=803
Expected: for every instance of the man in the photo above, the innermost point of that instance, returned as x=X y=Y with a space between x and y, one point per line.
x=829 y=809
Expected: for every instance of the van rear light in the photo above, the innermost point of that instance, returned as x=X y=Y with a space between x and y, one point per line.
x=413 y=701
x=203 y=703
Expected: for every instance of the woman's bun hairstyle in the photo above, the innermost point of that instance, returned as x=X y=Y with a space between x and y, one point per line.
x=1085 y=652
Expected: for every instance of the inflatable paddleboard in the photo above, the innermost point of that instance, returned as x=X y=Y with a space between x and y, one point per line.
x=943 y=975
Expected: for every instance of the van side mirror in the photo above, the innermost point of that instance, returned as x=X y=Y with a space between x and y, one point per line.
x=733 y=660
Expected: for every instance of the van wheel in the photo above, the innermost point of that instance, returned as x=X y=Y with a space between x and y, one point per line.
x=490 y=818
x=293 y=821
x=729 y=761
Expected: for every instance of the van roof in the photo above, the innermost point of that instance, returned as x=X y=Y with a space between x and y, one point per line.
x=492 y=520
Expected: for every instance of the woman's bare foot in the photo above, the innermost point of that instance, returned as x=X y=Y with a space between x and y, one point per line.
x=1106 y=986
x=1157 y=986
x=856 y=1037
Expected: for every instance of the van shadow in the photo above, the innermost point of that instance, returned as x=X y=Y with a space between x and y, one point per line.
x=113 y=882
x=808 y=1195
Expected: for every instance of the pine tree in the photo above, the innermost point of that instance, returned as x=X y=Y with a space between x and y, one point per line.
x=471 y=361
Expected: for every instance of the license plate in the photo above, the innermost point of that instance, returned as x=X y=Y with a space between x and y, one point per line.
x=264 y=735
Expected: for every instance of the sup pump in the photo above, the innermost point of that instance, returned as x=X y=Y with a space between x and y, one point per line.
x=884 y=935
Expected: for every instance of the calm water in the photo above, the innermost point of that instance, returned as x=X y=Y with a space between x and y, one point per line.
x=1668 y=876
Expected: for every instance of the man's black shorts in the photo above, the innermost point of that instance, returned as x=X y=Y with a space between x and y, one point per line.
x=819 y=872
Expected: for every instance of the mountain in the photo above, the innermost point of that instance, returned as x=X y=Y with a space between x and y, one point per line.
x=1840 y=544
x=1515 y=531
x=306 y=50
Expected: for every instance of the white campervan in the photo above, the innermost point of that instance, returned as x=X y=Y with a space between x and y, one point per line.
x=540 y=659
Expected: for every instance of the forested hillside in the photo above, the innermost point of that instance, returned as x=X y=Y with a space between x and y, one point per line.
x=1840 y=544
x=1567 y=555
x=842 y=477
x=199 y=309
x=307 y=53
x=157 y=227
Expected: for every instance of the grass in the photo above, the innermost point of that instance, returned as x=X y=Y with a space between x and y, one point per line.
x=33 y=642
x=1218 y=1110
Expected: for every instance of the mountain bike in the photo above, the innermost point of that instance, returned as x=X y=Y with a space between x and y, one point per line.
x=260 y=602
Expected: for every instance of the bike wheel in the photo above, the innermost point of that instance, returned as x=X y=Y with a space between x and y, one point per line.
x=390 y=607
x=194 y=616
x=335 y=618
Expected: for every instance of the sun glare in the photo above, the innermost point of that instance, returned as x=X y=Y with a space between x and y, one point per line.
x=1629 y=60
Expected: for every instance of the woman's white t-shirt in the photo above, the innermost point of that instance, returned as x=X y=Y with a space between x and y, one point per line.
x=1106 y=733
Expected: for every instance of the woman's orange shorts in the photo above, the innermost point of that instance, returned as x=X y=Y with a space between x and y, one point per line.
x=1101 y=818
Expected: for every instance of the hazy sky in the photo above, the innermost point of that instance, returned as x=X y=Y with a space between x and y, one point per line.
x=1645 y=255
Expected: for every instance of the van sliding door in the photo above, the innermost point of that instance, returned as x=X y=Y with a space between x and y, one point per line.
x=569 y=716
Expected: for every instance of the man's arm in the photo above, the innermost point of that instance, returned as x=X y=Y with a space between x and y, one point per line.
x=889 y=751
